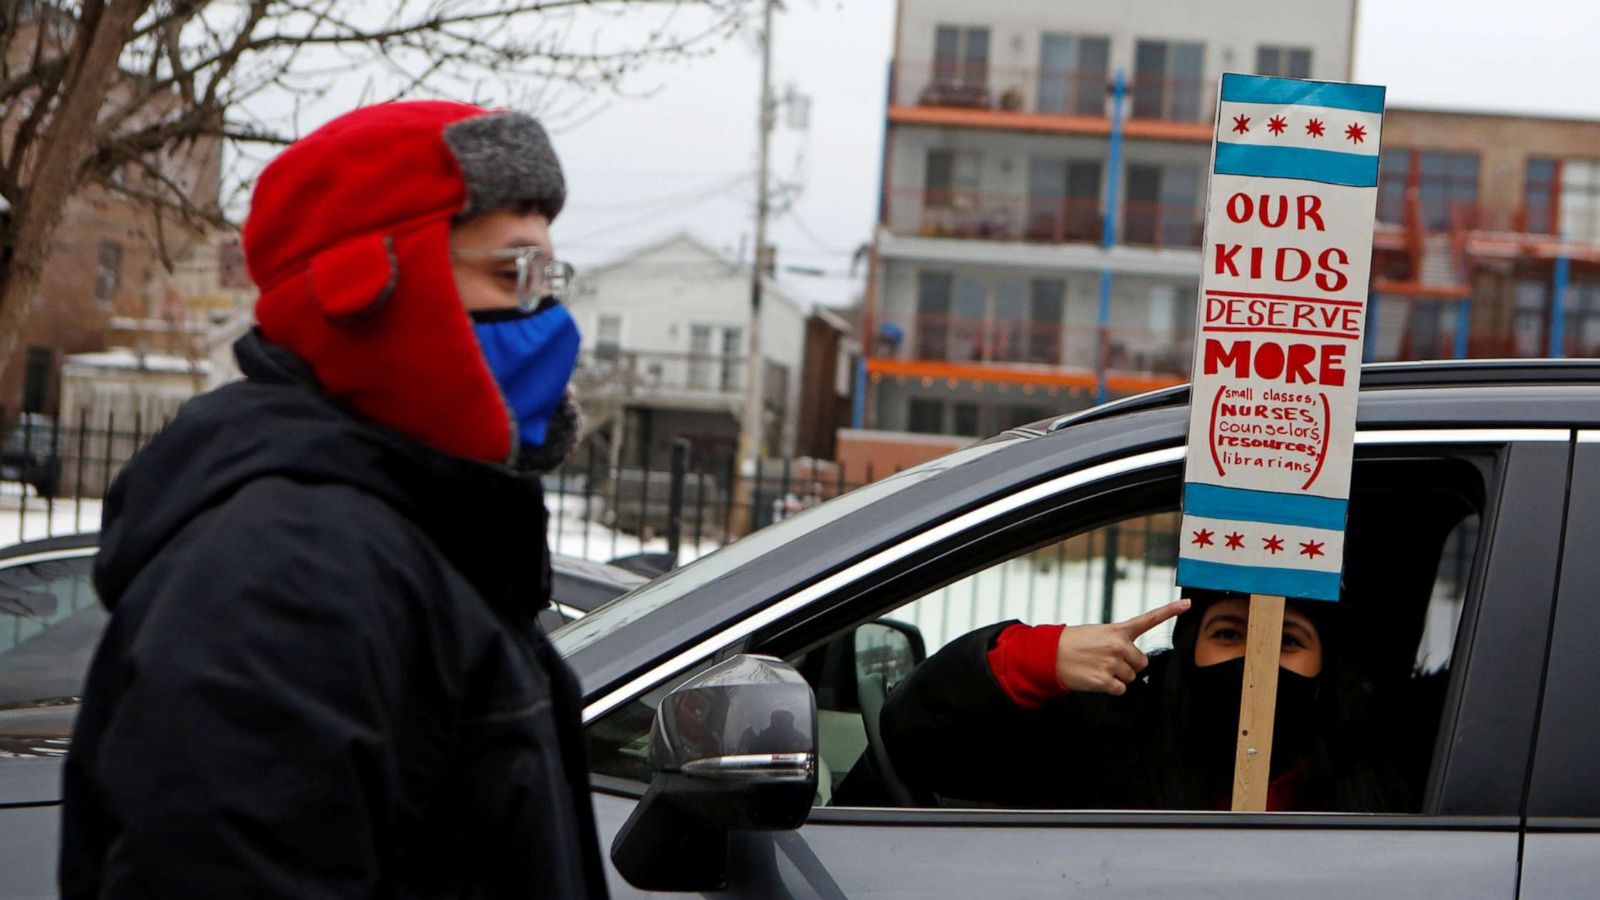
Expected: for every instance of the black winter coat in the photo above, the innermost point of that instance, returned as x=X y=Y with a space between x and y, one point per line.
x=322 y=677
x=956 y=738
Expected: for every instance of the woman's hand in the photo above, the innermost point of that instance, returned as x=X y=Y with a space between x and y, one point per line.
x=1102 y=658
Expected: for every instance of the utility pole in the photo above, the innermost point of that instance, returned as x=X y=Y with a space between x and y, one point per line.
x=750 y=432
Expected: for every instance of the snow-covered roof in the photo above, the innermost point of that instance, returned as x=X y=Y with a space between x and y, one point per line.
x=124 y=359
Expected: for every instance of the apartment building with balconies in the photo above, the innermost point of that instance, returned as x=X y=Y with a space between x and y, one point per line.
x=985 y=304
x=1488 y=237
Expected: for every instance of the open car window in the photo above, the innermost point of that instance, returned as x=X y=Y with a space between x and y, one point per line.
x=1413 y=537
x=1074 y=567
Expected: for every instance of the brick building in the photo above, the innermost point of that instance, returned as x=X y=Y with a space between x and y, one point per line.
x=104 y=263
x=1488 y=237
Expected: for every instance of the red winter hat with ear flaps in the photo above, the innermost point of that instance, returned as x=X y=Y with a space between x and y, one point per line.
x=348 y=240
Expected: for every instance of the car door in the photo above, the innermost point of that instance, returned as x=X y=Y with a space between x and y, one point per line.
x=1464 y=842
x=1561 y=855
x=50 y=622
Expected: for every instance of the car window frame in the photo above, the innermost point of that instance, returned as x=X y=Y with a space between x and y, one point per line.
x=1564 y=787
x=1071 y=486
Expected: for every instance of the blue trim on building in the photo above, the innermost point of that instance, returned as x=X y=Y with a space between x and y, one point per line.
x=1216 y=502
x=1558 y=306
x=1285 y=91
x=1326 y=166
x=1108 y=237
x=1299 y=583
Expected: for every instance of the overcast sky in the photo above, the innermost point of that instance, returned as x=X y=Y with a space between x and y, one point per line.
x=680 y=154
x=687 y=146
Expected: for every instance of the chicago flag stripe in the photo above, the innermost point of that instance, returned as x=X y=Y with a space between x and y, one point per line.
x=1305 y=127
x=1266 y=544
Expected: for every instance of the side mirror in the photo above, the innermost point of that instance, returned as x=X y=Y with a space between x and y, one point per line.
x=734 y=749
x=890 y=648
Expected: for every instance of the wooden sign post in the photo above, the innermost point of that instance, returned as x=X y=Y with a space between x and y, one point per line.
x=1252 y=762
x=1279 y=330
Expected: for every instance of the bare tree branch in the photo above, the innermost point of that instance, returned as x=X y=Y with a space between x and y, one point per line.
x=189 y=77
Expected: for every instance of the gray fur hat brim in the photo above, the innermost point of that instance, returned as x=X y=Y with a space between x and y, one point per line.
x=508 y=162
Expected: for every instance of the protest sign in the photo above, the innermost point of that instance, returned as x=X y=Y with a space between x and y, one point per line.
x=1278 y=339
x=1281 y=316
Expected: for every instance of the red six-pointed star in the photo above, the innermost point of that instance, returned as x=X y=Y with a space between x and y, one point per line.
x=1312 y=549
x=1277 y=125
x=1314 y=128
x=1235 y=541
x=1202 y=538
x=1355 y=133
x=1273 y=545
x=1241 y=124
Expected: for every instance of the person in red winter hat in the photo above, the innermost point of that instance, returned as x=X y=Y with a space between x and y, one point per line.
x=322 y=675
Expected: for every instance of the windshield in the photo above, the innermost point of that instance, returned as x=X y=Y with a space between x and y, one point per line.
x=679 y=583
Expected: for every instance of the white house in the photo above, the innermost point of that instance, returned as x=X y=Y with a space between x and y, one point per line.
x=665 y=338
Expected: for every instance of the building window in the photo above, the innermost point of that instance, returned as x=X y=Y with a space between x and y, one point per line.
x=950 y=180
x=964 y=419
x=1538 y=196
x=1166 y=80
x=730 y=374
x=1447 y=185
x=1283 y=62
x=1528 y=319
x=960 y=67
x=608 y=336
x=36 y=379
x=950 y=317
x=1431 y=330
x=1394 y=176
x=1163 y=206
x=933 y=314
x=925 y=417
x=1063 y=200
x=1046 y=304
x=108 y=277
x=1072 y=74
x=961 y=319
x=1580 y=200
x=716 y=357
x=1582 y=332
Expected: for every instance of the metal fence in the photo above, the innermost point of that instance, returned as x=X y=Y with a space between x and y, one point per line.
x=54 y=476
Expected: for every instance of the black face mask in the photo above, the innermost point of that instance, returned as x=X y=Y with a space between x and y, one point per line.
x=1214 y=696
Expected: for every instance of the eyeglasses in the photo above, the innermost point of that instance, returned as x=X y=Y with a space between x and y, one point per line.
x=538 y=276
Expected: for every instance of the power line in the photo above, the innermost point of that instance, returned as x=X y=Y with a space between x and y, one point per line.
x=803 y=228
x=651 y=213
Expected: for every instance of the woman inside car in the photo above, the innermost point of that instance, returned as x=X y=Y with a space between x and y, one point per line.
x=1076 y=717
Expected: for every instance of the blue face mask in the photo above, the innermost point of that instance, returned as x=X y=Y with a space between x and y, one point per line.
x=531 y=355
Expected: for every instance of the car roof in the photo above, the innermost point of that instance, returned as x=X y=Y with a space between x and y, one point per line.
x=590 y=583
x=1508 y=396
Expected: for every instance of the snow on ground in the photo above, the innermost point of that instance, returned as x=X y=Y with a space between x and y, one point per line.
x=29 y=517
x=25 y=516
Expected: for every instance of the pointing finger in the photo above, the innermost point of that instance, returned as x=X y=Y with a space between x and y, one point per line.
x=1147 y=620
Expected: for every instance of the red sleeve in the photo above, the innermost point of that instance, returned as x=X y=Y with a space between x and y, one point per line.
x=1023 y=660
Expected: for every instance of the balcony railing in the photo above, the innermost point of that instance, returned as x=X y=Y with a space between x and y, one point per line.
x=1153 y=224
x=1171 y=98
x=970 y=85
x=994 y=216
x=1049 y=91
x=680 y=377
x=971 y=339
